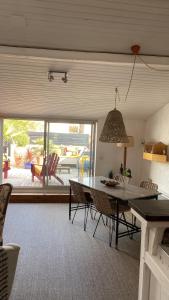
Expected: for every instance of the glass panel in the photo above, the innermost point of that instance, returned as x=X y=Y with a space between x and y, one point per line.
x=72 y=143
x=23 y=145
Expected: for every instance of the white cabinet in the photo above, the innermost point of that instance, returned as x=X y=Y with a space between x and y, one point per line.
x=154 y=261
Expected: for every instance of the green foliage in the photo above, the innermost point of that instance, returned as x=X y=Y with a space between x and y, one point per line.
x=39 y=141
x=16 y=131
x=127 y=173
x=22 y=140
x=52 y=147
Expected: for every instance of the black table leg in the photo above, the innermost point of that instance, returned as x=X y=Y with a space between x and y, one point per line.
x=70 y=202
x=117 y=223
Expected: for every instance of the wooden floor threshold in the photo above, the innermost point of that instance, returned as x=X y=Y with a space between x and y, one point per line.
x=39 y=198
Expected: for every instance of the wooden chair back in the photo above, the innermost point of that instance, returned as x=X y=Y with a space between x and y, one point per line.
x=48 y=168
x=51 y=164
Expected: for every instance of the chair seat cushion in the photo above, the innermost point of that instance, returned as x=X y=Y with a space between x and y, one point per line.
x=38 y=170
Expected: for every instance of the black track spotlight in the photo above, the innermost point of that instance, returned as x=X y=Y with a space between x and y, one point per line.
x=52 y=74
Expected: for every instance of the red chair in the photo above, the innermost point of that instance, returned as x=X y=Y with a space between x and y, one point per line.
x=48 y=168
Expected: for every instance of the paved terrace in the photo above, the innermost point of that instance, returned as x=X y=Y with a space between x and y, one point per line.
x=19 y=177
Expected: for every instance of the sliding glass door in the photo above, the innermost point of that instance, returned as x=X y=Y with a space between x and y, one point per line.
x=73 y=143
x=45 y=154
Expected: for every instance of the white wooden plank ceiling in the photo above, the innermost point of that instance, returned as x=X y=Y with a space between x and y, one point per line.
x=89 y=93
x=91 y=25
x=109 y=25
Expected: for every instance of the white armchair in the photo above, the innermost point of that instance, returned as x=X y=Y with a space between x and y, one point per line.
x=8 y=261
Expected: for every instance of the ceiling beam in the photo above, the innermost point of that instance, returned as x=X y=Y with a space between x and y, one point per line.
x=79 y=57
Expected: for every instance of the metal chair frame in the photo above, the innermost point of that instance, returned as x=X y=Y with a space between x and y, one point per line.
x=83 y=200
x=107 y=206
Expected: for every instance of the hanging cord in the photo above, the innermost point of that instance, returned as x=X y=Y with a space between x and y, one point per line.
x=117 y=96
x=135 y=50
x=115 y=99
x=150 y=67
x=131 y=78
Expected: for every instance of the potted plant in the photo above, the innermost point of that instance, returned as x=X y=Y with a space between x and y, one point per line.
x=28 y=159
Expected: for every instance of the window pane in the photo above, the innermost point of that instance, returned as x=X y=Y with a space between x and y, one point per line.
x=72 y=143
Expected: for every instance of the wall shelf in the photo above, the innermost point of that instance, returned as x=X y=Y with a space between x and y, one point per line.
x=155 y=157
x=155 y=152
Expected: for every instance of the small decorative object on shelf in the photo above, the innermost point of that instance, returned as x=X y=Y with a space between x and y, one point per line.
x=111 y=174
x=121 y=169
x=127 y=173
x=155 y=151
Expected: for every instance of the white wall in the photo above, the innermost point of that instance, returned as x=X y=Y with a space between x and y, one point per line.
x=109 y=156
x=157 y=130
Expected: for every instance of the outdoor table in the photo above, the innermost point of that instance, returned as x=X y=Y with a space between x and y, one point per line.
x=122 y=192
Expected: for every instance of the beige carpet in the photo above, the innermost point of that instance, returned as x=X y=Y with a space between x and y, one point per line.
x=59 y=261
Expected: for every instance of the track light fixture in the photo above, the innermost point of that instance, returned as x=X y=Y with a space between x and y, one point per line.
x=51 y=76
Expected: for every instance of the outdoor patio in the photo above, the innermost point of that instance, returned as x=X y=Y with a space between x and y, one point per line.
x=20 y=177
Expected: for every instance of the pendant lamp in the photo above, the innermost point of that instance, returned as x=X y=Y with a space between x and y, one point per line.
x=114 y=130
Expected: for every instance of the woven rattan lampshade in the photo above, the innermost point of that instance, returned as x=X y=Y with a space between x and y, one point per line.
x=114 y=130
x=130 y=143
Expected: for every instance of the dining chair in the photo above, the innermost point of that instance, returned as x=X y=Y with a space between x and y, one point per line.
x=149 y=185
x=119 y=178
x=83 y=200
x=107 y=206
x=5 y=193
x=122 y=179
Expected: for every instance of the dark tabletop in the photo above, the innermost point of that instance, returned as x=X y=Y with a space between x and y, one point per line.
x=151 y=210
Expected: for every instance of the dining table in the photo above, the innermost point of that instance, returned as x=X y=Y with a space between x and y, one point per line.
x=122 y=192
